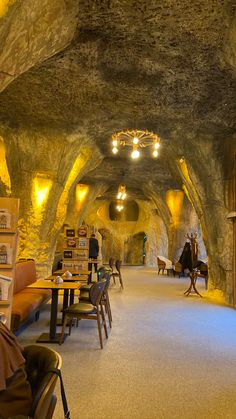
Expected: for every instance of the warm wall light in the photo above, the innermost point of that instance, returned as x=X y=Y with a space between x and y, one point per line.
x=41 y=187
x=4 y=174
x=174 y=200
x=4 y=5
x=81 y=194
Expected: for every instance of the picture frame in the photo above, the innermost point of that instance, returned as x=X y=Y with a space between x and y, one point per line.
x=70 y=232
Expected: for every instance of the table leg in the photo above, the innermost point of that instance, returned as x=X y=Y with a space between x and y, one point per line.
x=52 y=336
x=72 y=295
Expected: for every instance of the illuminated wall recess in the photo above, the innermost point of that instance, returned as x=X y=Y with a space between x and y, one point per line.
x=41 y=187
x=81 y=194
x=4 y=5
x=174 y=200
x=4 y=174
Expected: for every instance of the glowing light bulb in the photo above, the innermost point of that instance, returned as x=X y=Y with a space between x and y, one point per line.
x=156 y=146
x=155 y=153
x=114 y=143
x=135 y=154
x=135 y=140
x=123 y=196
x=115 y=150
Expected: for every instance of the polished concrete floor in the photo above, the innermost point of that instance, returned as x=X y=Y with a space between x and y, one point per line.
x=167 y=355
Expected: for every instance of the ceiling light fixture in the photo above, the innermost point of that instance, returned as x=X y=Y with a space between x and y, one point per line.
x=136 y=139
x=121 y=195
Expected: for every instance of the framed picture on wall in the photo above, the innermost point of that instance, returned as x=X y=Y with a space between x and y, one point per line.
x=68 y=254
x=70 y=232
x=70 y=243
x=82 y=231
x=5 y=219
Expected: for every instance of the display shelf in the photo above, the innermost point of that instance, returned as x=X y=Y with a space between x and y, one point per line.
x=5 y=266
x=9 y=210
x=5 y=303
x=7 y=231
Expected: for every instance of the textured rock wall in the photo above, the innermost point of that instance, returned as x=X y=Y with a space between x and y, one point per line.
x=124 y=239
x=43 y=167
x=29 y=33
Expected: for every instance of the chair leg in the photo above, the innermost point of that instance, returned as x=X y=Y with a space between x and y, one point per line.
x=99 y=328
x=104 y=321
x=121 y=282
x=70 y=325
x=63 y=330
x=108 y=309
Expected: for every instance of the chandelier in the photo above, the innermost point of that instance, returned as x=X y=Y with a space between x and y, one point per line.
x=136 y=139
x=121 y=195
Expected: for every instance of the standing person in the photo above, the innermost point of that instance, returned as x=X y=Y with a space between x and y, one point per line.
x=93 y=251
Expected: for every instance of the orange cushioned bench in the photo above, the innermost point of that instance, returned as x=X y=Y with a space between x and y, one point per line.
x=26 y=302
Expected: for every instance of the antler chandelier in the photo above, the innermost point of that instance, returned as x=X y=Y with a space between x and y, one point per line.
x=136 y=139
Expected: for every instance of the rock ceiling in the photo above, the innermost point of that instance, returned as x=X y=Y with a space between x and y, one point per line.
x=108 y=65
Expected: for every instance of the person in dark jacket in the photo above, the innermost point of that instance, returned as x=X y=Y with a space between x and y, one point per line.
x=93 y=251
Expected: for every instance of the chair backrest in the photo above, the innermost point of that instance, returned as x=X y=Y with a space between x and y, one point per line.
x=101 y=272
x=39 y=362
x=96 y=291
x=161 y=263
x=118 y=265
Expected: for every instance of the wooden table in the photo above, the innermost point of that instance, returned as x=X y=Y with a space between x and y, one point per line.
x=82 y=278
x=74 y=272
x=53 y=336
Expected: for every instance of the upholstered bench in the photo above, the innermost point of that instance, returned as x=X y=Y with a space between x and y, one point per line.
x=26 y=302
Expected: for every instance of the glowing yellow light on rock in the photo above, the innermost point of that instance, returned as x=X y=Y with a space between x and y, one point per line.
x=155 y=153
x=41 y=187
x=135 y=140
x=4 y=174
x=115 y=150
x=4 y=5
x=157 y=146
x=115 y=143
x=174 y=200
x=81 y=194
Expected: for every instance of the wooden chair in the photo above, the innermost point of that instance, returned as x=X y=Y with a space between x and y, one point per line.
x=40 y=361
x=161 y=265
x=117 y=274
x=202 y=272
x=84 y=294
x=178 y=269
x=85 y=310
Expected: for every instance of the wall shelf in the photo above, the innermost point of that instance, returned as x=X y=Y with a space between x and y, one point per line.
x=9 y=210
x=5 y=266
x=4 y=303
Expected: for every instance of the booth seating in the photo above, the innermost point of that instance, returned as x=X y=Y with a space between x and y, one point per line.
x=164 y=264
x=26 y=302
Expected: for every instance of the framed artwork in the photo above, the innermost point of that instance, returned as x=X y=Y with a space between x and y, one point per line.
x=82 y=243
x=82 y=231
x=70 y=232
x=5 y=254
x=68 y=254
x=70 y=243
x=5 y=219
